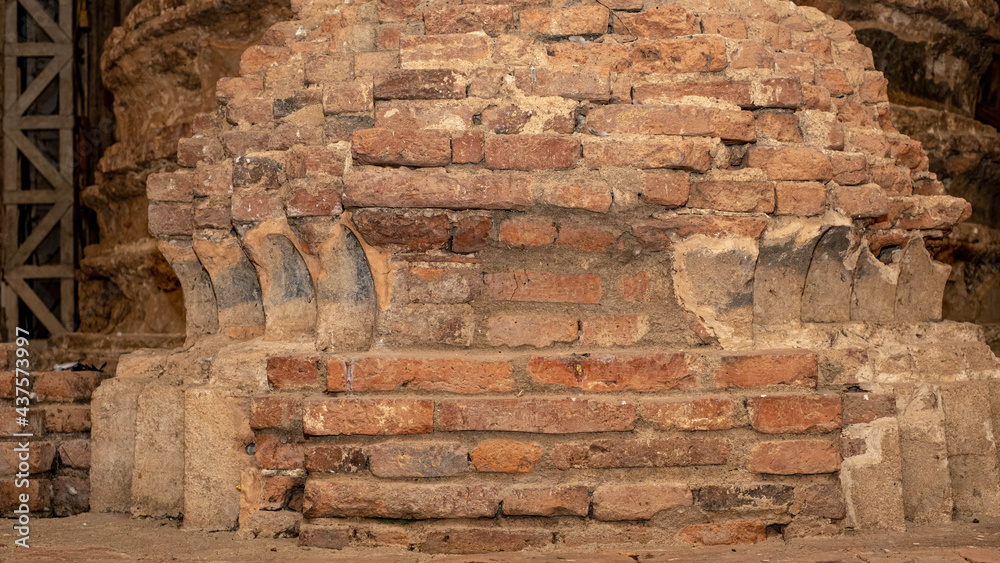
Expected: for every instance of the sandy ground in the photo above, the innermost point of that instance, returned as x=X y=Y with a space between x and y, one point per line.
x=106 y=537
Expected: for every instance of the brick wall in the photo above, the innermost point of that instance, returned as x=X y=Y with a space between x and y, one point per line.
x=497 y=276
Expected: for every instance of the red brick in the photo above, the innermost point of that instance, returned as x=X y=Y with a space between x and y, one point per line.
x=325 y=68
x=67 y=418
x=638 y=501
x=565 y=500
x=65 y=385
x=874 y=88
x=658 y=452
x=351 y=498
x=470 y=234
x=443 y=374
x=690 y=414
x=730 y=195
x=375 y=417
x=406 y=230
x=849 y=169
x=667 y=188
x=544 y=287
x=388 y=38
x=668 y=152
x=531 y=152
x=335 y=458
x=816 y=97
x=40 y=458
x=775 y=367
x=861 y=408
x=825 y=500
x=794 y=414
x=275 y=411
x=454 y=283
x=39 y=493
x=654 y=372
x=373 y=63
x=700 y=53
x=895 y=180
x=672 y=120
x=252 y=111
x=445 y=50
x=523 y=232
x=644 y=288
x=791 y=163
x=584 y=83
x=547 y=416
x=201 y=149
x=655 y=233
x=213 y=180
x=75 y=453
x=725 y=533
x=582 y=237
x=406 y=188
x=613 y=330
x=724 y=498
x=413 y=84
x=258 y=58
x=348 y=97
x=726 y=25
x=273 y=453
x=931 y=212
x=170 y=187
x=462 y=539
x=493 y=20
x=422 y=147
x=398 y=10
x=735 y=92
x=311 y=200
x=834 y=80
x=660 y=22
x=753 y=54
x=252 y=205
x=256 y=171
x=36 y=420
x=794 y=457
x=778 y=93
x=867 y=200
x=418 y=459
x=228 y=88
x=782 y=127
x=287 y=371
x=630 y=5
x=326 y=537
x=597 y=58
x=800 y=198
x=538 y=331
x=336 y=374
x=242 y=143
x=505 y=456
x=588 y=20
x=592 y=194
x=468 y=147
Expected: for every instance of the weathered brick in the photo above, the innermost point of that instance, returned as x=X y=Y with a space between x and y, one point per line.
x=538 y=331
x=638 y=501
x=242 y=143
x=315 y=199
x=348 y=97
x=667 y=152
x=505 y=456
x=445 y=50
x=655 y=233
x=700 y=53
x=39 y=459
x=782 y=127
x=65 y=385
x=660 y=22
x=455 y=539
x=372 y=63
x=446 y=374
x=170 y=187
x=723 y=498
x=735 y=92
x=526 y=232
x=544 y=287
x=777 y=93
x=290 y=371
x=672 y=120
x=776 y=367
x=564 y=500
x=257 y=171
x=256 y=205
x=214 y=180
x=659 y=452
x=731 y=195
x=724 y=24
x=258 y=58
x=335 y=458
x=275 y=411
x=584 y=83
x=655 y=372
x=75 y=453
x=325 y=68
x=406 y=230
x=418 y=459
x=547 y=416
x=584 y=237
x=795 y=457
x=734 y=532
x=608 y=331
x=228 y=88
x=36 y=420
x=866 y=200
x=431 y=324
x=800 y=198
x=70 y=495
x=398 y=10
x=667 y=188
x=67 y=418
x=457 y=118
x=644 y=288
x=690 y=414
x=170 y=220
x=849 y=169
x=427 y=283
x=791 y=163
x=588 y=20
x=592 y=194
x=874 y=88
x=835 y=81
x=825 y=500
x=250 y=111
x=794 y=414
x=470 y=234
x=931 y=212
x=468 y=147
x=753 y=54
x=39 y=493
x=861 y=408
x=274 y=453
x=351 y=498
x=334 y=417
x=493 y=20
x=531 y=152
x=413 y=84
x=384 y=147
x=402 y=188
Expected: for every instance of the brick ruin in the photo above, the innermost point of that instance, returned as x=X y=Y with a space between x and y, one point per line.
x=519 y=274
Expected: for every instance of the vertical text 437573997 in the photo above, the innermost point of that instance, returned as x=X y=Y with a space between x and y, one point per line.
x=22 y=402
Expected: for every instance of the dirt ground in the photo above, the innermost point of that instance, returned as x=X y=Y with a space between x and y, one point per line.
x=106 y=537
